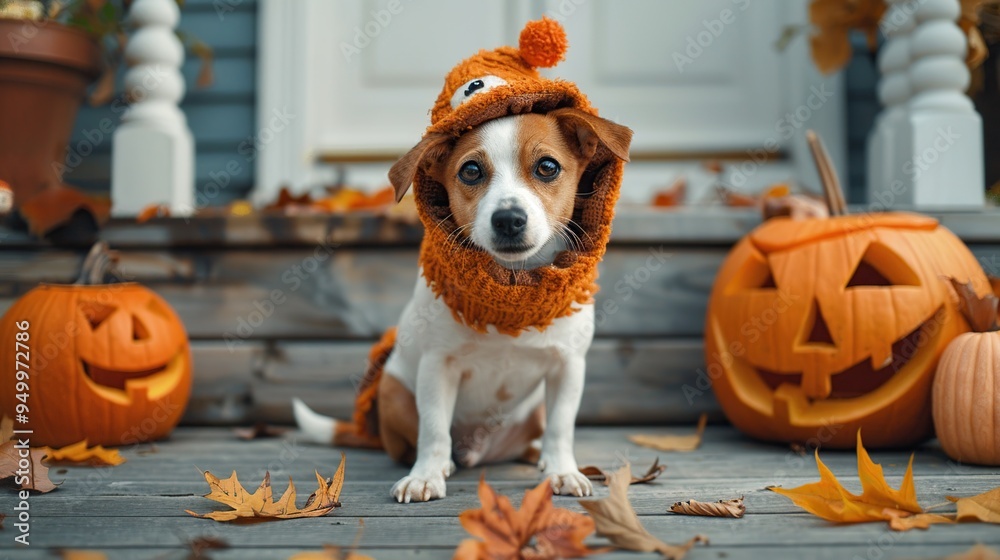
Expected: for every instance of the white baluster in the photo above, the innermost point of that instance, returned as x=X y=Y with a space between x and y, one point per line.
x=153 y=152
x=887 y=144
x=939 y=163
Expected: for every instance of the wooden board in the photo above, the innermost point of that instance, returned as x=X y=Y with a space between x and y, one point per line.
x=627 y=381
x=136 y=510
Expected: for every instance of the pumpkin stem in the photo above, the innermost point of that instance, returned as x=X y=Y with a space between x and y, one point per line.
x=100 y=266
x=980 y=312
x=827 y=175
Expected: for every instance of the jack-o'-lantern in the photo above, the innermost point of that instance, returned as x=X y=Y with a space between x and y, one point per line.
x=109 y=363
x=819 y=327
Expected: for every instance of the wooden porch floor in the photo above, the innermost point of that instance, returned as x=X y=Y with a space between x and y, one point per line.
x=136 y=510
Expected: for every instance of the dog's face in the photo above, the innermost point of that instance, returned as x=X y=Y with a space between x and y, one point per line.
x=512 y=182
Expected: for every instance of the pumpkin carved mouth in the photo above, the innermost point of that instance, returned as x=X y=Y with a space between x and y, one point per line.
x=118 y=385
x=861 y=378
x=116 y=378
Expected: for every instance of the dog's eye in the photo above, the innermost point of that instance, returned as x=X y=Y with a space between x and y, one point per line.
x=470 y=173
x=547 y=169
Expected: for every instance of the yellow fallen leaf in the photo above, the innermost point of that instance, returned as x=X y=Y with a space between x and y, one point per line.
x=331 y=552
x=688 y=442
x=80 y=453
x=260 y=506
x=616 y=520
x=978 y=552
x=36 y=476
x=83 y=555
x=877 y=502
x=984 y=507
x=600 y=475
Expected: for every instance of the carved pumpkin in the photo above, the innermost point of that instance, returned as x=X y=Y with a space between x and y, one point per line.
x=967 y=385
x=109 y=363
x=818 y=327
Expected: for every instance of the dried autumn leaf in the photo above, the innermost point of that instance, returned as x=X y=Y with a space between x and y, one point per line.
x=152 y=211
x=260 y=506
x=600 y=475
x=980 y=312
x=199 y=545
x=672 y=194
x=978 y=552
x=331 y=552
x=616 y=520
x=983 y=507
x=82 y=555
x=11 y=452
x=722 y=508
x=538 y=530
x=79 y=453
x=258 y=431
x=833 y=20
x=877 y=502
x=671 y=442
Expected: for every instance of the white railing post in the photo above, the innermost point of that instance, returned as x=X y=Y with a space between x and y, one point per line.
x=928 y=155
x=887 y=147
x=153 y=150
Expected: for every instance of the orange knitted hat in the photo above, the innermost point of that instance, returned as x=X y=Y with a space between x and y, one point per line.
x=478 y=290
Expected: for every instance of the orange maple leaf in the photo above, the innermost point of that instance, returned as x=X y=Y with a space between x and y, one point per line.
x=261 y=506
x=505 y=533
x=877 y=502
x=833 y=21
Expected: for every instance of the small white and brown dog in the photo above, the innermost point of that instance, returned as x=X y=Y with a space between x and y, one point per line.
x=487 y=397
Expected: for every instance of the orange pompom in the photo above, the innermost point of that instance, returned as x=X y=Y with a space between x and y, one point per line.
x=543 y=43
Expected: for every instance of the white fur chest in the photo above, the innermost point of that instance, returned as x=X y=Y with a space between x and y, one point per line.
x=501 y=376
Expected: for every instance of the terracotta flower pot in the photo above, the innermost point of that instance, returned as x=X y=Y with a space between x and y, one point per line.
x=45 y=68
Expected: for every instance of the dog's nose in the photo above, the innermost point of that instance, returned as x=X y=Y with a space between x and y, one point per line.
x=510 y=222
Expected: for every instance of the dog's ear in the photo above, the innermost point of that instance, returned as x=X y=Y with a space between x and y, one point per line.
x=588 y=130
x=431 y=149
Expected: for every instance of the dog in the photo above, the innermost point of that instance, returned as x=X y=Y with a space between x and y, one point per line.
x=454 y=392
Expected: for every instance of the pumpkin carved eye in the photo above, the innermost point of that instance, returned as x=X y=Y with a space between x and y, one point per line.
x=755 y=274
x=95 y=312
x=139 y=331
x=881 y=266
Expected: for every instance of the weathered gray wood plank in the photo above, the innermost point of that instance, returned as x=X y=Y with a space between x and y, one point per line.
x=887 y=548
x=752 y=530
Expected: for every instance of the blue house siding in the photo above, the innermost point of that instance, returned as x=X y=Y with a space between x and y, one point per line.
x=221 y=117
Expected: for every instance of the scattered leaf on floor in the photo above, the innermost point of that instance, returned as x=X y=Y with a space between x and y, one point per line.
x=258 y=431
x=82 y=555
x=331 y=552
x=984 y=507
x=260 y=506
x=615 y=519
x=200 y=546
x=722 y=508
x=688 y=442
x=877 y=502
x=671 y=195
x=538 y=530
x=79 y=453
x=978 y=552
x=36 y=477
x=598 y=474
x=153 y=211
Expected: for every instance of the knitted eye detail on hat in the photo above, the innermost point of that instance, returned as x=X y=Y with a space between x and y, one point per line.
x=472 y=87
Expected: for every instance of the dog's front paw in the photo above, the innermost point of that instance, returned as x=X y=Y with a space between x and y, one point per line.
x=570 y=483
x=413 y=488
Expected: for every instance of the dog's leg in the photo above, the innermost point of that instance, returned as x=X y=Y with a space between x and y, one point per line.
x=563 y=390
x=436 y=391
